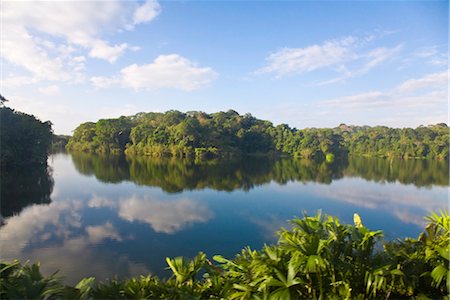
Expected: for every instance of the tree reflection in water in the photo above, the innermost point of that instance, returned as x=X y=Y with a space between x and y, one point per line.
x=177 y=175
x=23 y=186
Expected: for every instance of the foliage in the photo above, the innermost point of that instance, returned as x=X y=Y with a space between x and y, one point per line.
x=423 y=142
x=24 y=139
x=224 y=134
x=319 y=258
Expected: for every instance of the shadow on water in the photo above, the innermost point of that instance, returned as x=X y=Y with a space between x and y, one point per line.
x=23 y=186
x=177 y=175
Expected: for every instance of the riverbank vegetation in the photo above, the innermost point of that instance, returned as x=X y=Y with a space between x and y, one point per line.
x=318 y=258
x=25 y=140
x=225 y=134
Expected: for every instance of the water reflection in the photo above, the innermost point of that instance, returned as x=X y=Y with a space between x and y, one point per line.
x=64 y=237
x=159 y=208
x=408 y=205
x=420 y=172
x=58 y=236
x=162 y=216
x=110 y=169
x=177 y=175
x=20 y=187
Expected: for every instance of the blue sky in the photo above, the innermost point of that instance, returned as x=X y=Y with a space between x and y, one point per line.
x=304 y=63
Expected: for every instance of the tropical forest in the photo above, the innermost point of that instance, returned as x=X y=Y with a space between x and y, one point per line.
x=197 y=134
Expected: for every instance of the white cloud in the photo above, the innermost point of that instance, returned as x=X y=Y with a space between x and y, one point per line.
x=435 y=80
x=300 y=60
x=349 y=56
x=18 y=81
x=104 y=82
x=434 y=55
x=19 y=48
x=435 y=87
x=49 y=90
x=164 y=216
x=426 y=51
x=414 y=102
x=368 y=61
x=104 y=51
x=366 y=100
x=440 y=60
x=378 y=56
x=166 y=71
x=46 y=37
x=146 y=12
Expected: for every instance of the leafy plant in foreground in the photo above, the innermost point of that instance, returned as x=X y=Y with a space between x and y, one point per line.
x=319 y=258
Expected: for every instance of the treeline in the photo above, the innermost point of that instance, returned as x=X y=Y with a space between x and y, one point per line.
x=176 y=175
x=381 y=141
x=198 y=134
x=319 y=258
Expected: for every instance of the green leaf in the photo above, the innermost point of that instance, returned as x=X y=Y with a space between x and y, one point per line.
x=280 y=294
x=438 y=274
x=85 y=286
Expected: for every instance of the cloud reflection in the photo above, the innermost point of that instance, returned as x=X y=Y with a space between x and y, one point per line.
x=32 y=225
x=96 y=234
x=56 y=235
x=406 y=203
x=77 y=258
x=164 y=216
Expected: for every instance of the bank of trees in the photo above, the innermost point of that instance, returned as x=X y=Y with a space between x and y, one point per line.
x=319 y=258
x=197 y=134
x=24 y=139
x=423 y=142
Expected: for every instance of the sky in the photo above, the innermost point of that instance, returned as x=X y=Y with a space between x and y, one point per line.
x=302 y=63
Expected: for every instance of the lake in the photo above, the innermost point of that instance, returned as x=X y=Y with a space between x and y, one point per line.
x=92 y=215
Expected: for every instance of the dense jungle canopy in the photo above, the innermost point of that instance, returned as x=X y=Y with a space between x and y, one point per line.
x=198 y=134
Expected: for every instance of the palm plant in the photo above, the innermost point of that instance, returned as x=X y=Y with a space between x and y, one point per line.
x=26 y=282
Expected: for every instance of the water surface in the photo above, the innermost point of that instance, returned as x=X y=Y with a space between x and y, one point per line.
x=91 y=215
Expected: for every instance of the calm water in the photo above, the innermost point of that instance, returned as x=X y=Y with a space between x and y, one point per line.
x=104 y=217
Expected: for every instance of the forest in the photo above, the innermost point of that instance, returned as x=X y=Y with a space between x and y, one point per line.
x=229 y=134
